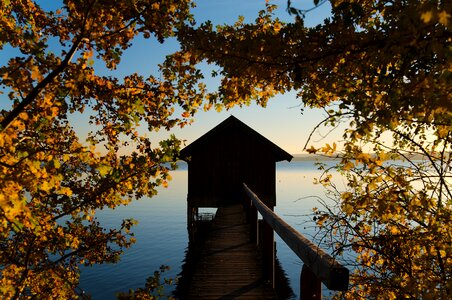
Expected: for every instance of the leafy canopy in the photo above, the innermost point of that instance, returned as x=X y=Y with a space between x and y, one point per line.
x=52 y=181
x=384 y=69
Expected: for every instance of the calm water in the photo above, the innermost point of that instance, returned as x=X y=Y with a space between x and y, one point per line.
x=162 y=236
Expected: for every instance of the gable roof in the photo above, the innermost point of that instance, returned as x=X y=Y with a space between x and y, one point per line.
x=232 y=124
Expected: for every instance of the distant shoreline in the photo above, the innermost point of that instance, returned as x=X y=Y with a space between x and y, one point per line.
x=317 y=157
x=312 y=157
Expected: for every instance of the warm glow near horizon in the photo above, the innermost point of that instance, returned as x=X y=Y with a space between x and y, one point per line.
x=281 y=121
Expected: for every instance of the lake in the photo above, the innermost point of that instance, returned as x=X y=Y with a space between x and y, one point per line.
x=162 y=235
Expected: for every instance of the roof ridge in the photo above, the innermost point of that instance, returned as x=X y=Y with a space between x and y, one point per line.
x=280 y=154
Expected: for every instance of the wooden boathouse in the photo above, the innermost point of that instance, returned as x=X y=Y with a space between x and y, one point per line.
x=233 y=168
x=225 y=157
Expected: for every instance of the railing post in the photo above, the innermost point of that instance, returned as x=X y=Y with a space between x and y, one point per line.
x=310 y=285
x=254 y=225
x=268 y=249
x=334 y=275
x=191 y=222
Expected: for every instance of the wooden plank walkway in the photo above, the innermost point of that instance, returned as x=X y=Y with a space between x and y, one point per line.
x=230 y=265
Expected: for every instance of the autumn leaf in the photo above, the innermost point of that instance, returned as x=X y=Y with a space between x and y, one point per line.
x=349 y=165
x=35 y=74
x=52 y=181
x=427 y=16
x=381 y=78
x=312 y=150
x=444 y=17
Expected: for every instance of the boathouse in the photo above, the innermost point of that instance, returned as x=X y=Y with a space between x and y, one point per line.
x=229 y=166
x=230 y=154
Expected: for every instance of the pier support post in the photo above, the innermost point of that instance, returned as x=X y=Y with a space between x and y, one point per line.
x=310 y=285
x=254 y=225
x=192 y=213
x=268 y=248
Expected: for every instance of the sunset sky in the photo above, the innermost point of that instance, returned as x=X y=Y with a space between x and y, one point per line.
x=281 y=121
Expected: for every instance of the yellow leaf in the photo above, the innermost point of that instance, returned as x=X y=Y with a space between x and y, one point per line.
x=35 y=74
x=23 y=116
x=3 y=201
x=427 y=16
x=346 y=196
x=347 y=208
x=443 y=17
x=394 y=230
x=65 y=191
x=56 y=163
x=312 y=150
x=103 y=169
x=349 y=165
x=45 y=186
x=218 y=107
x=328 y=149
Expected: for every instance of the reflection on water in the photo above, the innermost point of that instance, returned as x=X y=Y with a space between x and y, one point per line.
x=161 y=240
x=199 y=233
x=192 y=254
x=162 y=231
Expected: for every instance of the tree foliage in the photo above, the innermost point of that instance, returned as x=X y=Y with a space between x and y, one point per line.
x=52 y=181
x=383 y=68
x=153 y=289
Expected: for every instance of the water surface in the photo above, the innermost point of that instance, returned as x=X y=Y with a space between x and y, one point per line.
x=162 y=236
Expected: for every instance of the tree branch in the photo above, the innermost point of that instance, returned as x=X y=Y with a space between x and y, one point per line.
x=6 y=122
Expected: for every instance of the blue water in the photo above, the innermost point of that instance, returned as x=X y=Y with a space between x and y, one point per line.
x=162 y=236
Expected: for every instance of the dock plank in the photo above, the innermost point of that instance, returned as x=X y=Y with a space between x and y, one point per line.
x=230 y=265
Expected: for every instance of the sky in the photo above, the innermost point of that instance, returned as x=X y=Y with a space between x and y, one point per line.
x=281 y=121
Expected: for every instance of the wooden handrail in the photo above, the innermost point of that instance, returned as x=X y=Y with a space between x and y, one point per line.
x=322 y=265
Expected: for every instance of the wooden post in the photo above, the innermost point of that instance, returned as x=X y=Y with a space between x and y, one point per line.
x=268 y=249
x=323 y=267
x=192 y=213
x=310 y=285
x=190 y=223
x=254 y=225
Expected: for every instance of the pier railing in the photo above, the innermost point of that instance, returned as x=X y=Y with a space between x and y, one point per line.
x=318 y=266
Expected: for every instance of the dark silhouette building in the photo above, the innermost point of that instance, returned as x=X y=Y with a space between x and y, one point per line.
x=221 y=160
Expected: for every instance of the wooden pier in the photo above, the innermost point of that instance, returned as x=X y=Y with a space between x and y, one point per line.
x=238 y=259
x=230 y=266
x=238 y=262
